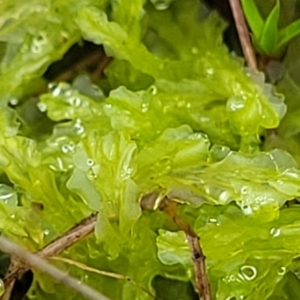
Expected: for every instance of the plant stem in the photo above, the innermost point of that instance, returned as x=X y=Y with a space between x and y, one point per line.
x=33 y=260
x=201 y=277
x=69 y=238
x=243 y=33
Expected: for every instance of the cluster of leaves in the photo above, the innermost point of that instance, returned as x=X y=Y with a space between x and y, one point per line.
x=176 y=115
x=267 y=37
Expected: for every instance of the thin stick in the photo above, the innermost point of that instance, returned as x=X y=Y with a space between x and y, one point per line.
x=100 y=67
x=84 y=63
x=35 y=261
x=201 y=277
x=199 y=266
x=243 y=33
x=71 y=237
x=104 y=273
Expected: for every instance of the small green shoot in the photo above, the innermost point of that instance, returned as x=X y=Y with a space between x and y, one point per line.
x=268 y=39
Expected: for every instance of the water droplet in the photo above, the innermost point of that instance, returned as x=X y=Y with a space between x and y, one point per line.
x=46 y=232
x=75 y=101
x=214 y=221
x=71 y=147
x=282 y=271
x=207 y=189
x=248 y=272
x=91 y=175
x=13 y=101
x=161 y=4
x=35 y=48
x=275 y=232
x=235 y=103
x=188 y=105
x=244 y=190
x=210 y=71
x=38 y=43
x=65 y=148
x=90 y=162
x=197 y=136
x=108 y=106
x=8 y=195
x=79 y=127
x=42 y=106
x=126 y=173
x=145 y=107
x=247 y=209
x=224 y=196
x=153 y=90
x=59 y=88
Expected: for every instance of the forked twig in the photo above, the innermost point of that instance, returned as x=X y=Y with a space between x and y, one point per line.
x=100 y=67
x=34 y=260
x=18 y=267
x=82 y=64
x=243 y=33
x=104 y=273
x=201 y=277
x=72 y=236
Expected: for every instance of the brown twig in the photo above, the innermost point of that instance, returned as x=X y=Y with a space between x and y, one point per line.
x=84 y=63
x=33 y=260
x=243 y=33
x=71 y=237
x=19 y=266
x=104 y=273
x=201 y=277
x=100 y=67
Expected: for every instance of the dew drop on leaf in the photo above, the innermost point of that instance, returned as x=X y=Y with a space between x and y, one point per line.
x=65 y=148
x=90 y=162
x=161 y=4
x=46 y=232
x=247 y=209
x=248 y=272
x=13 y=101
x=79 y=127
x=214 y=221
x=75 y=101
x=224 y=196
x=42 y=106
x=8 y=195
x=145 y=107
x=153 y=90
x=275 y=232
x=282 y=271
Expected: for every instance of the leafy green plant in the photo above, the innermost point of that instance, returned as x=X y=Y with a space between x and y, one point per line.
x=176 y=116
x=268 y=39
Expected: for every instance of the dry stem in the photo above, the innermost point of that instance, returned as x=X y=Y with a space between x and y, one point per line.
x=243 y=33
x=19 y=267
x=34 y=260
x=201 y=277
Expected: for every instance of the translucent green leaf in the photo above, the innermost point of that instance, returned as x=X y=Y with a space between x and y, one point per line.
x=252 y=249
